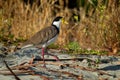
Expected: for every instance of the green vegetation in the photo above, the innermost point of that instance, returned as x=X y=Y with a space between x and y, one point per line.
x=92 y=24
x=53 y=46
x=74 y=48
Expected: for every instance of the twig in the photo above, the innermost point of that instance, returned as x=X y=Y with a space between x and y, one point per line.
x=16 y=77
x=90 y=69
x=42 y=76
x=69 y=74
x=69 y=59
x=16 y=72
x=40 y=62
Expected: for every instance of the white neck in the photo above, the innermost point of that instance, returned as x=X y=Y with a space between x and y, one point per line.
x=57 y=23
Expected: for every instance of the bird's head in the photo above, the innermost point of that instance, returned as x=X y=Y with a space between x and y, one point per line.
x=57 y=21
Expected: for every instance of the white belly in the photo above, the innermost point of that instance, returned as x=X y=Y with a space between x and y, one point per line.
x=50 y=41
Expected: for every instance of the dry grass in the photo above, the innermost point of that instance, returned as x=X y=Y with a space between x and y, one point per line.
x=99 y=30
x=23 y=20
x=26 y=19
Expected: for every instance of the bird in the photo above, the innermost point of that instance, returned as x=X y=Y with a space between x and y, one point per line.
x=45 y=37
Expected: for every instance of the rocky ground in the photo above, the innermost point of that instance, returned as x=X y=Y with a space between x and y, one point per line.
x=70 y=67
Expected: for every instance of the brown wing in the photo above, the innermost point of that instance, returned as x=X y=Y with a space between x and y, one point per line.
x=42 y=36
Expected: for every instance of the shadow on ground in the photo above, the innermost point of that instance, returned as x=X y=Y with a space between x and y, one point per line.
x=112 y=68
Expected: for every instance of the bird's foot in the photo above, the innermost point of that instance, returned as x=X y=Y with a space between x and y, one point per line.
x=31 y=60
x=44 y=66
x=56 y=58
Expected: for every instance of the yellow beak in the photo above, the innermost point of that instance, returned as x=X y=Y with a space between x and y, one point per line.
x=63 y=21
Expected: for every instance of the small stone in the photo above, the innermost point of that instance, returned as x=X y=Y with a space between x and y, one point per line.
x=84 y=61
x=62 y=67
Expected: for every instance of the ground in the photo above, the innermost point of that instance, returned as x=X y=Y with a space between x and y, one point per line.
x=70 y=67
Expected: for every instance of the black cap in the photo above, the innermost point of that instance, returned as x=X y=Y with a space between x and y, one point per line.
x=57 y=18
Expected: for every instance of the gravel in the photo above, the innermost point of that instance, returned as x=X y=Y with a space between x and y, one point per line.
x=78 y=67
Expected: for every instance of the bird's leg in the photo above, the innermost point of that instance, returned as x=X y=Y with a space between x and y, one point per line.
x=43 y=57
x=31 y=60
x=56 y=58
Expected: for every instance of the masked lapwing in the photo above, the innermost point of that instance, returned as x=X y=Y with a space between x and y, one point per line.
x=45 y=37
